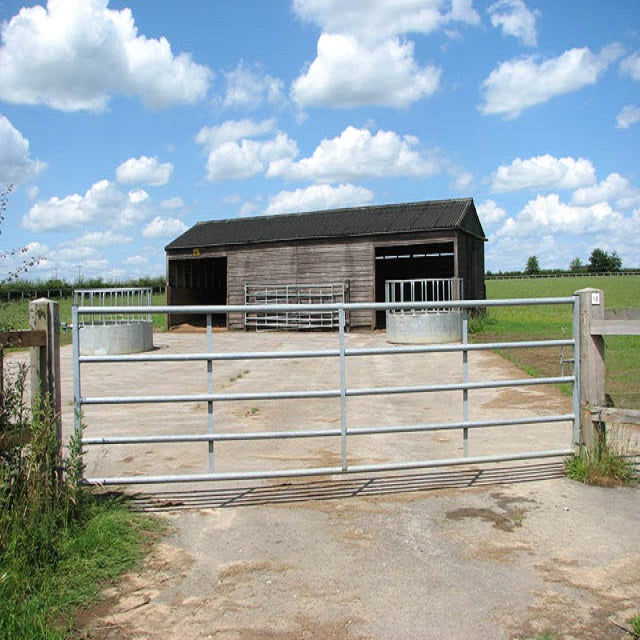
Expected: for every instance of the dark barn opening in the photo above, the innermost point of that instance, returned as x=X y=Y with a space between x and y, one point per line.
x=411 y=262
x=198 y=282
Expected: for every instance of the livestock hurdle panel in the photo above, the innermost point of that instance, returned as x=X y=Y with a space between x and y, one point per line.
x=205 y=431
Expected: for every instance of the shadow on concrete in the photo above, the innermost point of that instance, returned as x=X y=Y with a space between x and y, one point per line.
x=342 y=488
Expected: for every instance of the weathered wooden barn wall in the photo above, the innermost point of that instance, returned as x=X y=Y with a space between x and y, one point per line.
x=311 y=261
x=470 y=266
x=358 y=248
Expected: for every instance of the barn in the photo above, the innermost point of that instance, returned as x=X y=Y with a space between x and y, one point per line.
x=324 y=256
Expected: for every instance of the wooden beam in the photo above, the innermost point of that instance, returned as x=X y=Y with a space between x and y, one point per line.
x=28 y=338
x=622 y=314
x=619 y=416
x=591 y=364
x=615 y=328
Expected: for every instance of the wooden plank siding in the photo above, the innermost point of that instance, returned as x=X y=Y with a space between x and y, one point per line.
x=308 y=263
x=349 y=260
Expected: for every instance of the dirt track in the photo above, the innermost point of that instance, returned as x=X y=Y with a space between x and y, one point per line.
x=506 y=560
x=504 y=551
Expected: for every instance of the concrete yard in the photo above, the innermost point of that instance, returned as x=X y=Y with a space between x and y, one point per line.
x=499 y=551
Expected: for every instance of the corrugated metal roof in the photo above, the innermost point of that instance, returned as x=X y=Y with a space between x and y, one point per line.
x=335 y=223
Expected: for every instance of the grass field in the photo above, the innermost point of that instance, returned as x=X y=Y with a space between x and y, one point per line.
x=521 y=323
x=15 y=315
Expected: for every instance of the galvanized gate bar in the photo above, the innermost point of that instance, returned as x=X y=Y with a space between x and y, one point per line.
x=324 y=393
x=324 y=433
x=325 y=471
x=343 y=392
x=327 y=353
x=347 y=306
x=465 y=379
x=210 y=389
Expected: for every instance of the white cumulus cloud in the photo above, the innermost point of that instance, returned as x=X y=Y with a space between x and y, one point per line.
x=363 y=55
x=233 y=130
x=103 y=202
x=102 y=239
x=347 y=73
x=381 y=19
x=631 y=66
x=173 y=203
x=629 y=115
x=543 y=172
x=519 y=84
x=613 y=188
x=319 y=196
x=164 y=228
x=356 y=153
x=490 y=212
x=250 y=208
x=144 y=170
x=249 y=87
x=16 y=164
x=135 y=261
x=234 y=153
x=548 y=215
x=74 y=54
x=137 y=196
x=515 y=19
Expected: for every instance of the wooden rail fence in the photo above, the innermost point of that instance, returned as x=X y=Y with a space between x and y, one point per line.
x=44 y=340
x=595 y=323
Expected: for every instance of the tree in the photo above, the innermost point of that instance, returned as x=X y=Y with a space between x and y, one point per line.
x=576 y=265
x=532 y=267
x=600 y=261
x=14 y=271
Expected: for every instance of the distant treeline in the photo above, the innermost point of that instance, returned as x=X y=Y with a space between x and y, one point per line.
x=55 y=288
x=559 y=273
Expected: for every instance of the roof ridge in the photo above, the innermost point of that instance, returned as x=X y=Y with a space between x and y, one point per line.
x=346 y=222
x=289 y=214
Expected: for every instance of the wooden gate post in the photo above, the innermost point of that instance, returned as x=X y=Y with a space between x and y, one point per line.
x=592 y=364
x=45 y=361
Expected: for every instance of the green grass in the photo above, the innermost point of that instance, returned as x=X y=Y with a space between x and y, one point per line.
x=58 y=541
x=635 y=625
x=15 y=315
x=554 y=321
x=40 y=603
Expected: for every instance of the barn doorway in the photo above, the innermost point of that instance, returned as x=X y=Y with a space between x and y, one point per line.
x=411 y=262
x=201 y=281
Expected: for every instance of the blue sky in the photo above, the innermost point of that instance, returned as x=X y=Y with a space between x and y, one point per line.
x=124 y=123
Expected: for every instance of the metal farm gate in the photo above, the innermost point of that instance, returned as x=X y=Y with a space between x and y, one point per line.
x=203 y=431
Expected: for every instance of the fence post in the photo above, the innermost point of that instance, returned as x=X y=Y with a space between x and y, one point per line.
x=45 y=361
x=592 y=364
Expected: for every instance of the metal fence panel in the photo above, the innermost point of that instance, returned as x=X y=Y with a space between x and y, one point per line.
x=344 y=392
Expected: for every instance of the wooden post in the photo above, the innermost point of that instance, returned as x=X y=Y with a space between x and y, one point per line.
x=592 y=364
x=45 y=361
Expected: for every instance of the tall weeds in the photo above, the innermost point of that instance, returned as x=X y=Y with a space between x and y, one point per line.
x=14 y=411
x=40 y=498
x=605 y=463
